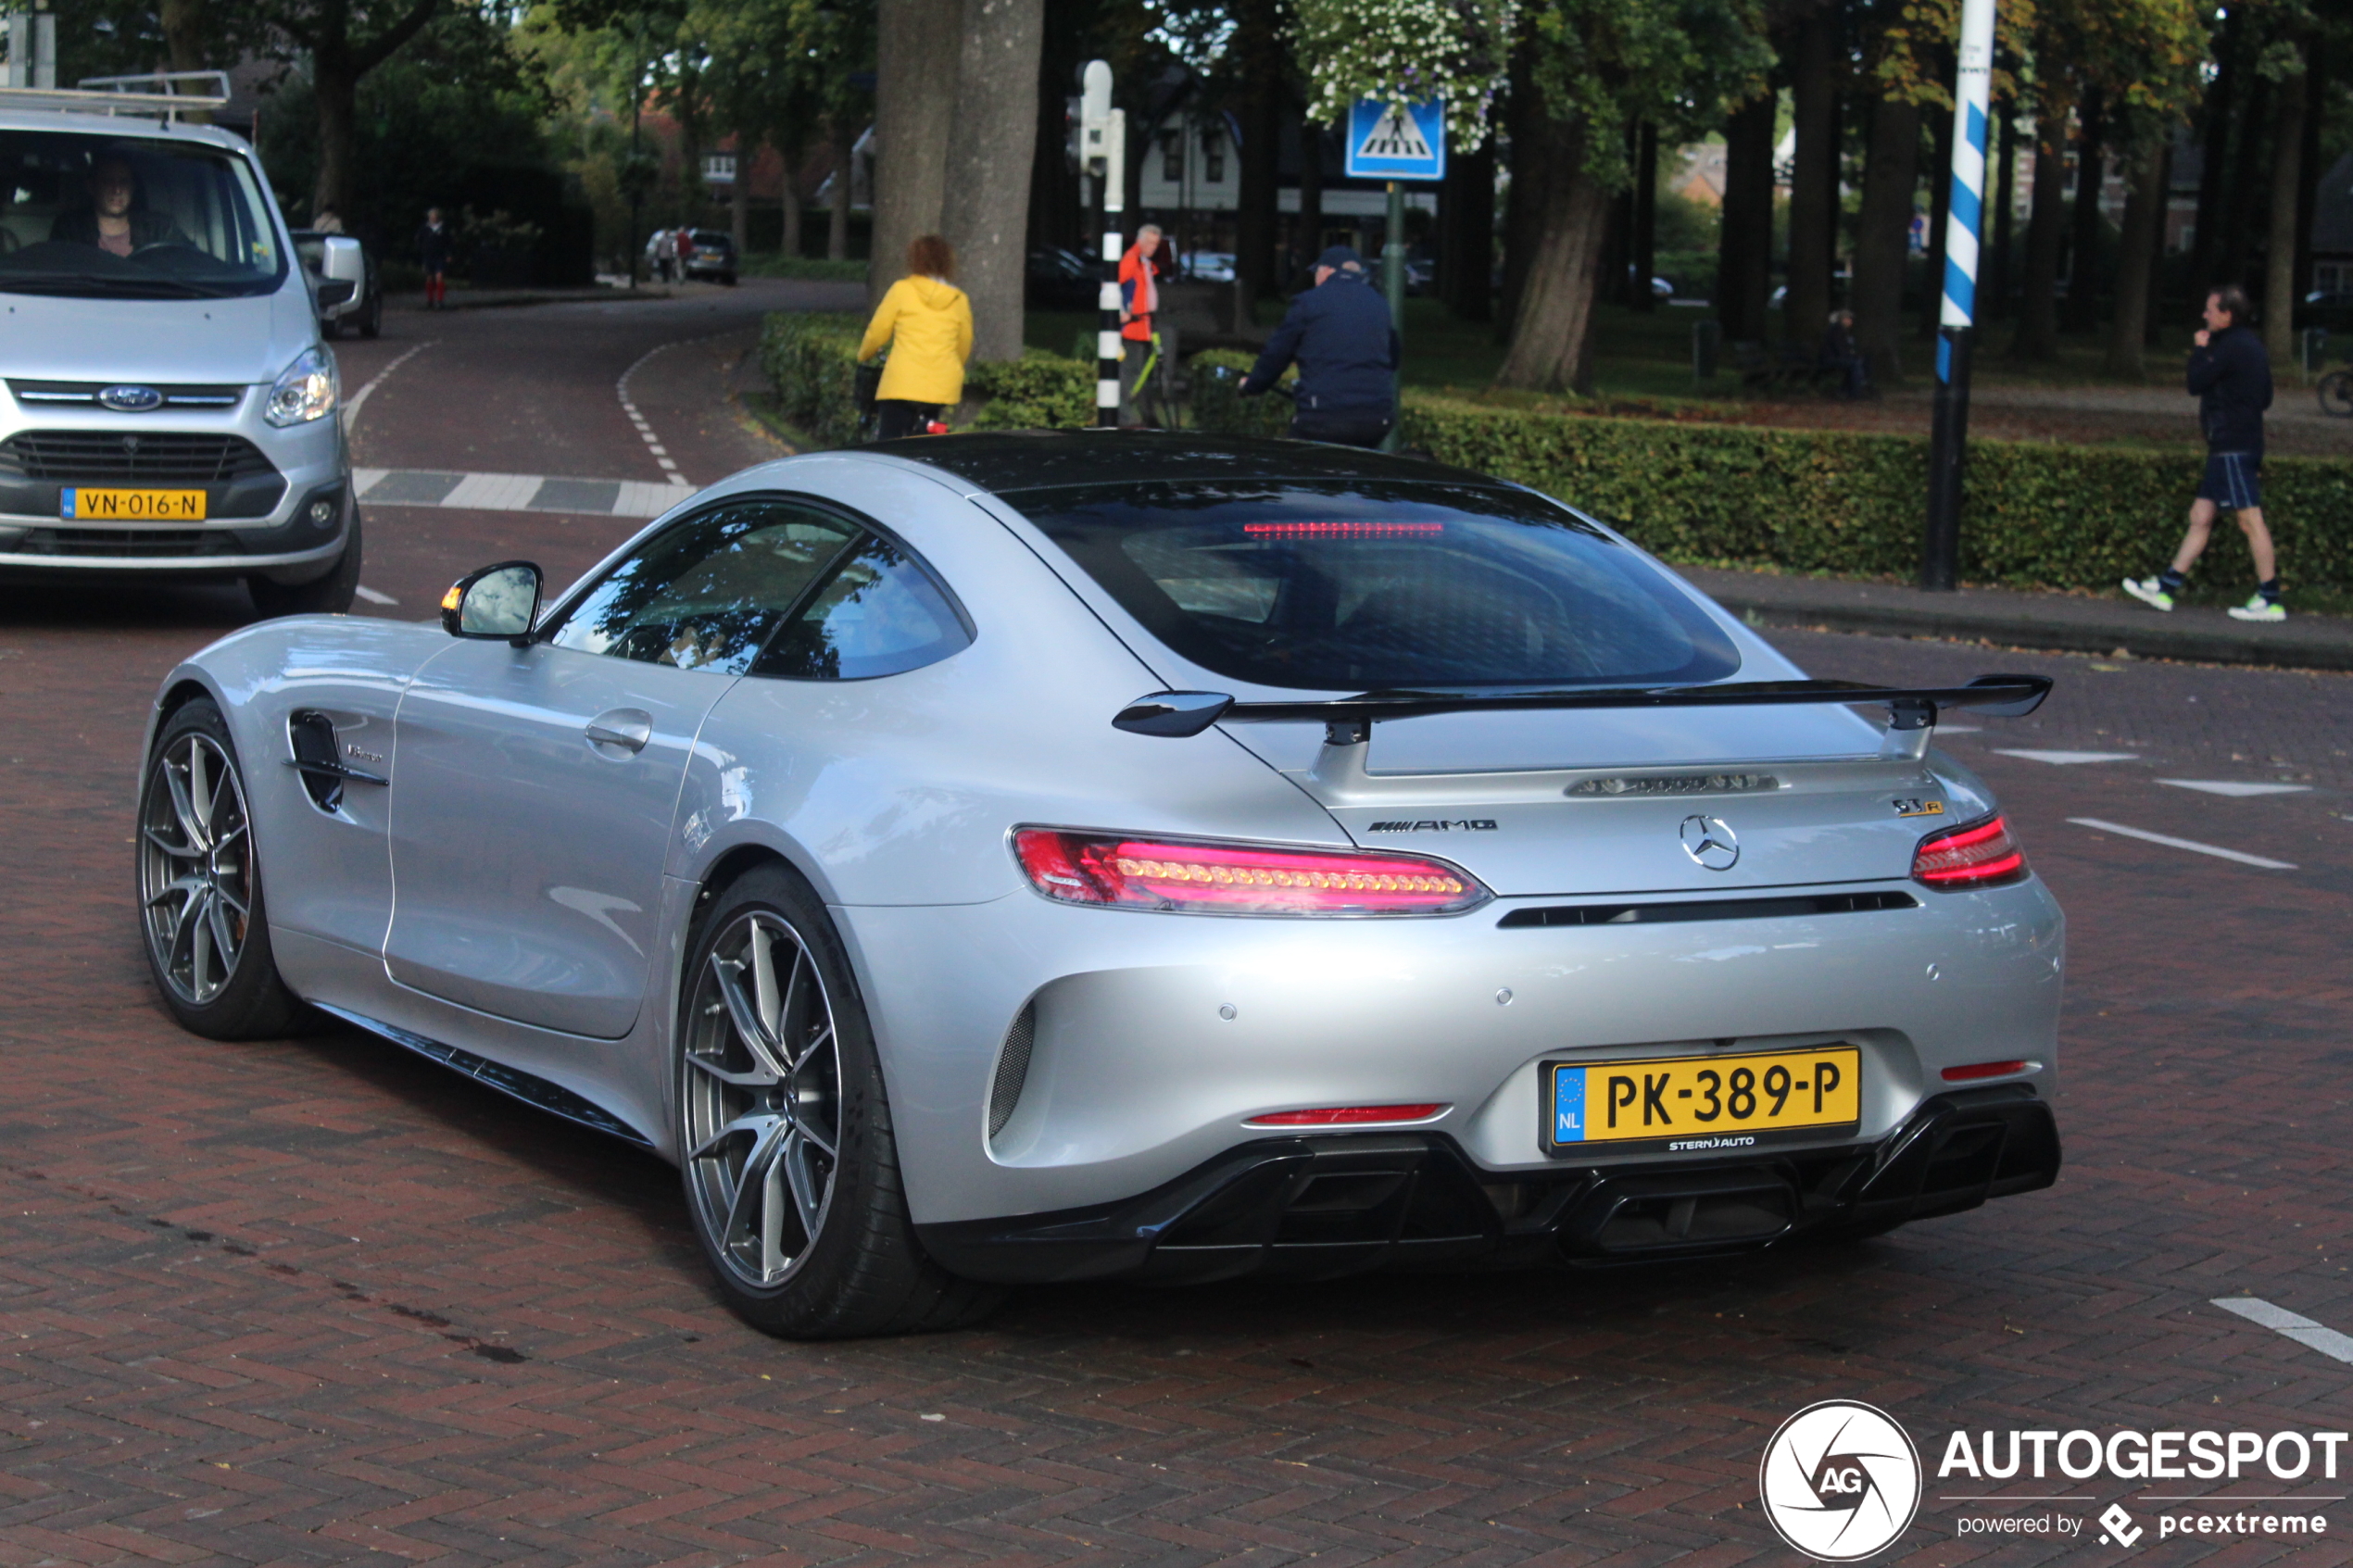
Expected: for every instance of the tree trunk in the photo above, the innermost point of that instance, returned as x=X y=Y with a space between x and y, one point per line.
x=185 y=43
x=335 y=87
x=1884 y=235
x=2221 y=99
x=1552 y=333
x=2091 y=170
x=2241 y=215
x=2279 y=262
x=2038 y=302
x=2316 y=76
x=1645 y=236
x=1940 y=219
x=2138 y=251
x=985 y=211
x=1523 y=119
x=916 y=51
x=1466 y=255
x=789 y=241
x=739 y=198
x=1311 y=192
x=1813 y=199
x=837 y=214
x=1744 y=246
x=1257 y=194
x=1994 y=271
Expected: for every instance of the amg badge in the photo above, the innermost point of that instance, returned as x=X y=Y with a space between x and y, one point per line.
x=1460 y=825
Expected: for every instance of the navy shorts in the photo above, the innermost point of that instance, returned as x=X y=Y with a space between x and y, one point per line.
x=2234 y=480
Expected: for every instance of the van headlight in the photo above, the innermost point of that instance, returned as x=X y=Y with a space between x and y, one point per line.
x=305 y=391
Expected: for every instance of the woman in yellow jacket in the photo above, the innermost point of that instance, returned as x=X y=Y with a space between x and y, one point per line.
x=927 y=323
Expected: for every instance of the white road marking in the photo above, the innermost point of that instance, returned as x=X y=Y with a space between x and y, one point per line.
x=373 y=596
x=2303 y=1330
x=351 y=404
x=2233 y=788
x=2069 y=758
x=2190 y=844
x=513 y=493
x=645 y=431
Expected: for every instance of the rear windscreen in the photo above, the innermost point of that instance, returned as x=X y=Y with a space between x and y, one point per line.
x=1365 y=586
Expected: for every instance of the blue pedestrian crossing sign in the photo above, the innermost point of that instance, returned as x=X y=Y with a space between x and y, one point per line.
x=1389 y=141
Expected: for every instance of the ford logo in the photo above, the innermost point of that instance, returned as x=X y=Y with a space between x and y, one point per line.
x=131 y=399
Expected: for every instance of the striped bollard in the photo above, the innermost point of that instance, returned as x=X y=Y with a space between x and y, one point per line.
x=1957 y=329
x=1107 y=337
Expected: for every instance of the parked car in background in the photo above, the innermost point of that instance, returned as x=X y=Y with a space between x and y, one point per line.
x=364 y=311
x=1210 y=265
x=1056 y=279
x=708 y=254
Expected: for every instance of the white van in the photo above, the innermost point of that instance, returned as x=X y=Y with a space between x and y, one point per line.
x=169 y=411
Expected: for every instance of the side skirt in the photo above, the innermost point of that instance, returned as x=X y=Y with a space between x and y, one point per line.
x=533 y=1091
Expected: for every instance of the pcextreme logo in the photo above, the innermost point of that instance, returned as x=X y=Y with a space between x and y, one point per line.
x=1840 y=1480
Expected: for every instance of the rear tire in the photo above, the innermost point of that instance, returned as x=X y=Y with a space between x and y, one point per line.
x=331 y=595
x=202 y=922
x=372 y=322
x=790 y=1168
x=2337 y=393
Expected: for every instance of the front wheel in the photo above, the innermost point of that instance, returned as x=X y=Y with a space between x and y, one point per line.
x=784 y=1139
x=2337 y=393
x=371 y=323
x=200 y=911
x=331 y=595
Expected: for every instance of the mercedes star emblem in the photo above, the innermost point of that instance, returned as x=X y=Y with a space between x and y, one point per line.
x=1708 y=841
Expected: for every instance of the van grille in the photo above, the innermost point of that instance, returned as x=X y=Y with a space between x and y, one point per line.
x=148 y=542
x=90 y=456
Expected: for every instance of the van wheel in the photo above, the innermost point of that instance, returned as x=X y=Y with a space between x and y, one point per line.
x=373 y=323
x=331 y=595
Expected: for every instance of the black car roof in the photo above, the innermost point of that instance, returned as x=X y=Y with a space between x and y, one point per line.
x=1004 y=461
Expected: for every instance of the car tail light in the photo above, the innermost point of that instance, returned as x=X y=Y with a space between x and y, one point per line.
x=1982 y=855
x=1345 y=1115
x=1982 y=1069
x=1201 y=877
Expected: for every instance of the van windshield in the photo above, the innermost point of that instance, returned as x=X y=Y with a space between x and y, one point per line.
x=132 y=216
x=1357 y=585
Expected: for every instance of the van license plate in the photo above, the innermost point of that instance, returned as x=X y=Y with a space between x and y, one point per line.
x=1692 y=1104
x=93 y=505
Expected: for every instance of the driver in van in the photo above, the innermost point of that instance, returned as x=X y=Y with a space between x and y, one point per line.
x=118 y=222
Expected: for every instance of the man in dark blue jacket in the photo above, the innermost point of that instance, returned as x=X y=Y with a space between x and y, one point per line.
x=1347 y=353
x=2230 y=377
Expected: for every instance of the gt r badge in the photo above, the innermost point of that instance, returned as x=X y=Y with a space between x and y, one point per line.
x=1904 y=807
x=1708 y=841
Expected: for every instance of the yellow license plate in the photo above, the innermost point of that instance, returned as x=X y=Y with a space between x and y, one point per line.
x=92 y=504
x=1696 y=1103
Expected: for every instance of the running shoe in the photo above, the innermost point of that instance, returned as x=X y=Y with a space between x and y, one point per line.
x=2260 y=609
x=2151 y=591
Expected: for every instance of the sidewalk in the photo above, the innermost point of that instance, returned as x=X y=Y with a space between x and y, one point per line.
x=2064 y=621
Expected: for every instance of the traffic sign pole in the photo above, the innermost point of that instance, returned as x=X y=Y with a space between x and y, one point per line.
x=1956 y=332
x=1393 y=280
x=1102 y=132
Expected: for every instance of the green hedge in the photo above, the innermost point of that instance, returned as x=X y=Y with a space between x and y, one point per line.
x=1798 y=500
x=1837 y=501
x=812 y=359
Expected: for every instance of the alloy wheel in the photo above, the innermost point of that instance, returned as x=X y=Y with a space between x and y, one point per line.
x=762 y=1099
x=195 y=867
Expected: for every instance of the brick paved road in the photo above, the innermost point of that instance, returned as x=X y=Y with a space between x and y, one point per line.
x=314 y=1301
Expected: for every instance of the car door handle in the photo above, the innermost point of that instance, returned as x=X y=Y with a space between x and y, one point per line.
x=627 y=729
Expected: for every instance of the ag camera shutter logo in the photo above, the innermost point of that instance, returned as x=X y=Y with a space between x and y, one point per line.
x=1840 y=1480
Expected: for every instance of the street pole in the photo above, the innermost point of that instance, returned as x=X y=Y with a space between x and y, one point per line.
x=1392 y=282
x=1957 y=331
x=1103 y=154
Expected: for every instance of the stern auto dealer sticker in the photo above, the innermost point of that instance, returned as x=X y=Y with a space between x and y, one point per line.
x=1840 y=1480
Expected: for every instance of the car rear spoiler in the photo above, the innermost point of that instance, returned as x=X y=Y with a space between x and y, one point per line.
x=1348 y=721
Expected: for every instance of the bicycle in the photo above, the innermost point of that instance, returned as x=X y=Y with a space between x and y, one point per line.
x=2335 y=391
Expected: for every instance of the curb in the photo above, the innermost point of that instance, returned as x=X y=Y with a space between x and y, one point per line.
x=2199 y=635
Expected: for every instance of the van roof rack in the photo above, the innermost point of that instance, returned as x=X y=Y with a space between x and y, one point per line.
x=162 y=94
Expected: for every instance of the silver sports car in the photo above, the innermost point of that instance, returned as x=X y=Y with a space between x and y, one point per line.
x=1026 y=857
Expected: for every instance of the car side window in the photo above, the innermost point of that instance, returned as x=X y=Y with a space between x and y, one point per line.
x=878 y=613
x=708 y=592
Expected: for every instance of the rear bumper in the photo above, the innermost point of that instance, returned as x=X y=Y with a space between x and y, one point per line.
x=1317 y=1207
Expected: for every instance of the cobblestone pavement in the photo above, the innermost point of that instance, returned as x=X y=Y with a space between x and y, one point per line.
x=315 y=1301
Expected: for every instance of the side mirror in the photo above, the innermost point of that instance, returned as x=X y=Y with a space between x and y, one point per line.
x=497 y=601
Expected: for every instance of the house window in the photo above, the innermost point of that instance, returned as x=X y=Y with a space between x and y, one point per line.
x=2333 y=277
x=1172 y=156
x=1213 y=152
x=719 y=168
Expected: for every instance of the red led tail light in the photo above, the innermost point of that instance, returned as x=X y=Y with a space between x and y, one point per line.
x=1982 y=1069
x=1342 y=530
x=1197 y=877
x=1982 y=855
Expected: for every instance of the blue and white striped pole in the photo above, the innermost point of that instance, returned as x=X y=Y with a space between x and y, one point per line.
x=1102 y=132
x=1957 y=331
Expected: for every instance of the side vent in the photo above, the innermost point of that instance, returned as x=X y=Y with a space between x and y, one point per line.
x=312 y=735
x=1012 y=1070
